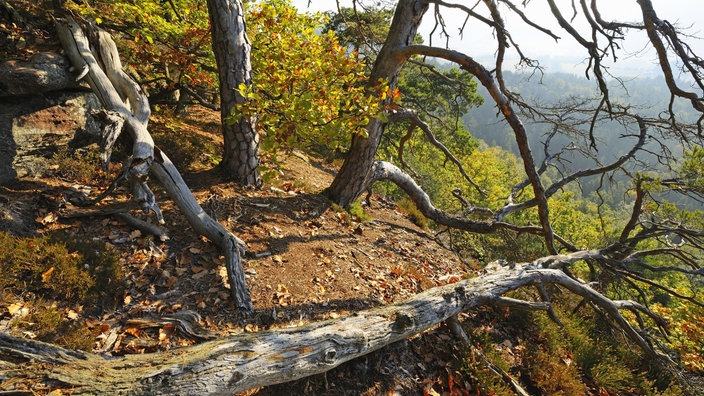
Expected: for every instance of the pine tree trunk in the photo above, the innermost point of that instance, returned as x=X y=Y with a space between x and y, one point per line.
x=232 y=53
x=355 y=175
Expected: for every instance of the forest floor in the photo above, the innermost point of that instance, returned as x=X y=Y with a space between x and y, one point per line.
x=307 y=261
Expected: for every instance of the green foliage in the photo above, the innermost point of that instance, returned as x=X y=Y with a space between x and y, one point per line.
x=692 y=171
x=583 y=357
x=364 y=32
x=49 y=272
x=603 y=360
x=167 y=44
x=49 y=324
x=308 y=91
x=686 y=336
x=354 y=212
x=580 y=222
x=43 y=267
x=355 y=209
x=82 y=166
x=474 y=370
x=553 y=377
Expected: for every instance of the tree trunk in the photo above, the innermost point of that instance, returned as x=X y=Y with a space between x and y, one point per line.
x=355 y=175
x=232 y=53
x=249 y=360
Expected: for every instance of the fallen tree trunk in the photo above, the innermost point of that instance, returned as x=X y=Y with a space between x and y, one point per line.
x=249 y=360
x=101 y=67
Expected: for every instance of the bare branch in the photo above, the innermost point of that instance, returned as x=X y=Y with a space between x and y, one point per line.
x=483 y=75
x=412 y=115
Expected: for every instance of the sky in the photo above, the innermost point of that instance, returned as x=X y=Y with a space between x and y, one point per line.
x=565 y=55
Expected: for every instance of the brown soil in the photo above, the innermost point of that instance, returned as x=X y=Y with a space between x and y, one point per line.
x=306 y=261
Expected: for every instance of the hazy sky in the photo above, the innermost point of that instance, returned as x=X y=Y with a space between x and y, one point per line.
x=565 y=55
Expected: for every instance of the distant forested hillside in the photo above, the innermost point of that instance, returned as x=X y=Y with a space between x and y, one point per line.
x=649 y=94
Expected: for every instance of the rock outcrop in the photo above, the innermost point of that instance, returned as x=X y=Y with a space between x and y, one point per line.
x=32 y=127
x=42 y=107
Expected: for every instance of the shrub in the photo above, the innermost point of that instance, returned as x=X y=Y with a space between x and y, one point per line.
x=49 y=272
x=408 y=207
x=81 y=166
x=42 y=267
x=46 y=323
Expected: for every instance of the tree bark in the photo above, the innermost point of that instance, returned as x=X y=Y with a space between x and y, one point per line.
x=232 y=53
x=355 y=175
x=249 y=360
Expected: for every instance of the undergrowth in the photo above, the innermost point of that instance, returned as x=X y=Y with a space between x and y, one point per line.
x=187 y=151
x=53 y=274
x=583 y=357
x=355 y=212
x=81 y=166
x=417 y=217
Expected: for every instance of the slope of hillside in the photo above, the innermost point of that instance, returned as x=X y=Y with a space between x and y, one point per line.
x=307 y=260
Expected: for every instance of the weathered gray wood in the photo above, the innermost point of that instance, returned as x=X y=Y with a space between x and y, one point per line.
x=121 y=95
x=249 y=360
x=78 y=49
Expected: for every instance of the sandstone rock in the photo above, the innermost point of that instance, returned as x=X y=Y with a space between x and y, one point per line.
x=44 y=72
x=33 y=127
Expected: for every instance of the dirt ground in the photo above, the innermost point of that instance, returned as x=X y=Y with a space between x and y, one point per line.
x=306 y=261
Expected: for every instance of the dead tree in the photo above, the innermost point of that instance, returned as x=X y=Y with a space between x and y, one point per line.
x=236 y=363
x=99 y=64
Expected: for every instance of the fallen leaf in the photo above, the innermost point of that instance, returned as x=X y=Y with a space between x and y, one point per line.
x=48 y=219
x=171 y=281
x=14 y=308
x=199 y=275
x=134 y=332
x=46 y=275
x=166 y=331
x=71 y=314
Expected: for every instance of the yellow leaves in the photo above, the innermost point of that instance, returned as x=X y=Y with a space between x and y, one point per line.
x=309 y=89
